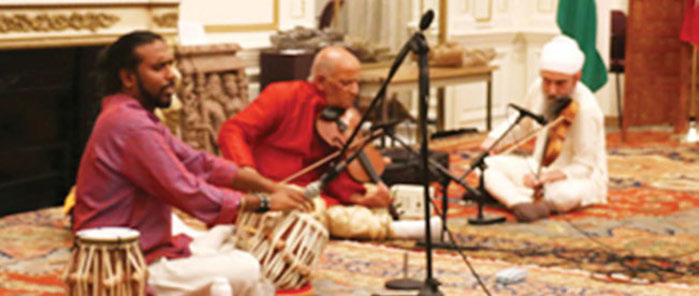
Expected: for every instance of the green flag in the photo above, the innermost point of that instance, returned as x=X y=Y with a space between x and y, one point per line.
x=578 y=19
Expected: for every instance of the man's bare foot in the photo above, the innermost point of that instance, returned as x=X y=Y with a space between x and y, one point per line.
x=530 y=211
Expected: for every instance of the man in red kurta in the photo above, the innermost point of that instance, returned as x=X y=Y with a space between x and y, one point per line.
x=276 y=136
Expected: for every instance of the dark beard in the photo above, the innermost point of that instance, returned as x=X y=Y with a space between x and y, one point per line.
x=154 y=100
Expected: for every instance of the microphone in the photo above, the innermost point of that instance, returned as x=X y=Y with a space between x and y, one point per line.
x=314 y=188
x=385 y=124
x=426 y=19
x=540 y=119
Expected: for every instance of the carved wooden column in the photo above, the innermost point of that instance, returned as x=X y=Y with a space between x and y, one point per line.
x=657 y=65
x=214 y=88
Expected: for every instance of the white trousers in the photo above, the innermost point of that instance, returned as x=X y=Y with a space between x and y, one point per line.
x=358 y=222
x=504 y=180
x=214 y=258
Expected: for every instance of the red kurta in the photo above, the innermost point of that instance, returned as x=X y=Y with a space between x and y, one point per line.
x=133 y=171
x=276 y=135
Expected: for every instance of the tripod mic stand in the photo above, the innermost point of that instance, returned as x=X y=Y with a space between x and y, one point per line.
x=418 y=45
x=482 y=195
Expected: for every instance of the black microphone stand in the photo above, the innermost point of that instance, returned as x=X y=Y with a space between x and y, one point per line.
x=421 y=48
x=443 y=171
x=418 y=45
x=482 y=194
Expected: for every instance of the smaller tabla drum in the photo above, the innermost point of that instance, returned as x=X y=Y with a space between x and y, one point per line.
x=106 y=261
x=287 y=245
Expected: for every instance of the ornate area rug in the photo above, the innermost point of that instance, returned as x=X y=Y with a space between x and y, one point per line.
x=648 y=230
x=350 y=268
x=34 y=250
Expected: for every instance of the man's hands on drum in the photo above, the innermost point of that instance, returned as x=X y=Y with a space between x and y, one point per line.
x=376 y=198
x=287 y=198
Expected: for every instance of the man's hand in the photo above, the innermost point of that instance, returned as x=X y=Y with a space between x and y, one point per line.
x=379 y=198
x=552 y=176
x=287 y=198
x=531 y=181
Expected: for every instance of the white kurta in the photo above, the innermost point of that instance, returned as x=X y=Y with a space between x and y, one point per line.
x=583 y=158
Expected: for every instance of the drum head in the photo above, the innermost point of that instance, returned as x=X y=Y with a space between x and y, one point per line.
x=108 y=234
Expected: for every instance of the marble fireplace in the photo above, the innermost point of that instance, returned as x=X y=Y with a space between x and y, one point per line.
x=47 y=104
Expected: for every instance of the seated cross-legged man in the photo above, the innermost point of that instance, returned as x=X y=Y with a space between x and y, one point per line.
x=577 y=174
x=134 y=172
x=275 y=136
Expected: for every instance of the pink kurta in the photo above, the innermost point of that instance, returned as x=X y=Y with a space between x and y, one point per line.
x=133 y=171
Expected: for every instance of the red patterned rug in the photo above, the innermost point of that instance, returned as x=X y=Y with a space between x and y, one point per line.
x=648 y=229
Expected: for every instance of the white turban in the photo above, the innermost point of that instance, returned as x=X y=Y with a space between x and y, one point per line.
x=562 y=55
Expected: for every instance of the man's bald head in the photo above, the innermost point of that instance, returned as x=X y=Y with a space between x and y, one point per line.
x=330 y=58
x=335 y=72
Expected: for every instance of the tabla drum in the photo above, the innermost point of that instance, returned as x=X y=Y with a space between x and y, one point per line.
x=106 y=261
x=287 y=245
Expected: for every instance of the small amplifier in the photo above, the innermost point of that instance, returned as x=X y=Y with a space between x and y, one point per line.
x=409 y=201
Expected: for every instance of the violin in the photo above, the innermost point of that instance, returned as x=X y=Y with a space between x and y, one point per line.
x=335 y=125
x=564 y=109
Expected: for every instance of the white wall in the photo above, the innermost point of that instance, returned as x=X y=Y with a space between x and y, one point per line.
x=232 y=17
x=515 y=28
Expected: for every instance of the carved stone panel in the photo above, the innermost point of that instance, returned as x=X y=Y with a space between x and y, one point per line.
x=214 y=88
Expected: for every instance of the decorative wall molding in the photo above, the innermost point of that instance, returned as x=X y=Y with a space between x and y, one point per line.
x=482 y=10
x=166 y=20
x=298 y=9
x=253 y=27
x=545 y=6
x=44 y=22
x=503 y=5
x=38 y=24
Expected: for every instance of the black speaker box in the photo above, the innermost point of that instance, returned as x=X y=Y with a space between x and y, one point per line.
x=405 y=167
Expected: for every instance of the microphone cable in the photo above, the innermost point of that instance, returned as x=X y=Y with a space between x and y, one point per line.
x=456 y=247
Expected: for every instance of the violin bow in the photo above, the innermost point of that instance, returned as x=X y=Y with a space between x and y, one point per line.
x=329 y=158
x=531 y=135
x=528 y=137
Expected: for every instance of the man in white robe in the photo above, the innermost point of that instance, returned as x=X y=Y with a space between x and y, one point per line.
x=578 y=176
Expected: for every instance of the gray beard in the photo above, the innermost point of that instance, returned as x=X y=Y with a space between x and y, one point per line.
x=554 y=105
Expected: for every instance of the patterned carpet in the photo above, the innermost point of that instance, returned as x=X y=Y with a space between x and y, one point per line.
x=648 y=231
x=350 y=268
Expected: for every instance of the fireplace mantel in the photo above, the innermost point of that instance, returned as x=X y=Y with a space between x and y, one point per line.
x=51 y=23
